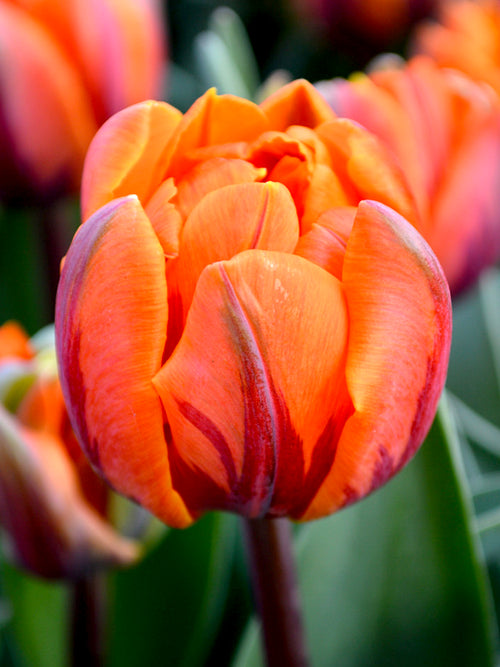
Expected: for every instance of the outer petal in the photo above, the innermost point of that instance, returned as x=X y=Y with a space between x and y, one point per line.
x=111 y=321
x=255 y=391
x=127 y=155
x=51 y=529
x=400 y=329
x=297 y=103
x=47 y=120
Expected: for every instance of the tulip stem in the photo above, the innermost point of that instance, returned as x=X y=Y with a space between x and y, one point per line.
x=87 y=619
x=276 y=592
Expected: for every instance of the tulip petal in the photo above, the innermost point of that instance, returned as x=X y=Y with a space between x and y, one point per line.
x=165 y=217
x=302 y=163
x=226 y=222
x=422 y=91
x=325 y=243
x=375 y=108
x=465 y=233
x=51 y=529
x=212 y=175
x=399 y=339
x=324 y=192
x=116 y=45
x=111 y=321
x=297 y=103
x=214 y=119
x=255 y=392
x=50 y=134
x=127 y=155
x=42 y=410
x=120 y=48
x=370 y=171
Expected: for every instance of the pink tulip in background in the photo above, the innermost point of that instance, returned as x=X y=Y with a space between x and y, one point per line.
x=65 y=66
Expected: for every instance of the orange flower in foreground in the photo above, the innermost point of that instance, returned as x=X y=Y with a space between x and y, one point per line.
x=52 y=504
x=445 y=130
x=66 y=66
x=235 y=330
x=466 y=37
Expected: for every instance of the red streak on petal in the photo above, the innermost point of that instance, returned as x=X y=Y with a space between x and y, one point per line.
x=197 y=489
x=261 y=410
x=175 y=322
x=261 y=218
x=77 y=391
x=383 y=470
x=273 y=481
x=213 y=434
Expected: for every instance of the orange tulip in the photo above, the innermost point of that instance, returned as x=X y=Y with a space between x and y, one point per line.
x=235 y=328
x=445 y=130
x=466 y=37
x=66 y=66
x=52 y=505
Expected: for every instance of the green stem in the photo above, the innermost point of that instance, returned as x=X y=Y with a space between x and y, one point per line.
x=87 y=622
x=276 y=592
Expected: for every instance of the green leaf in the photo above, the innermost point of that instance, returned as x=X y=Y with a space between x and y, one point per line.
x=397 y=579
x=471 y=373
x=226 y=23
x=478 y=430
x=37 y=631
x=216 y=66
x=489 y=293
x=167 y=609
x=223 y=55
x=23 y=283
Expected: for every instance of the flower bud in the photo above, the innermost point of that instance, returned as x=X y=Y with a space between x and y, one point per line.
x=52 y=506
x=238 y=326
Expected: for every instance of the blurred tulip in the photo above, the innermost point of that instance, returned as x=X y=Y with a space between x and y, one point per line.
x=66 y=66
x=445 y=131
x=241 y=333
x=378 y=22
x=52 y=505
x=466 y=37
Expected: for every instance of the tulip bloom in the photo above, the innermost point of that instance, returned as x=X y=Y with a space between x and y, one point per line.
x=466 y=37
x=235 y=328
x=445 y=130
x=66 y=66
x=52 y=505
